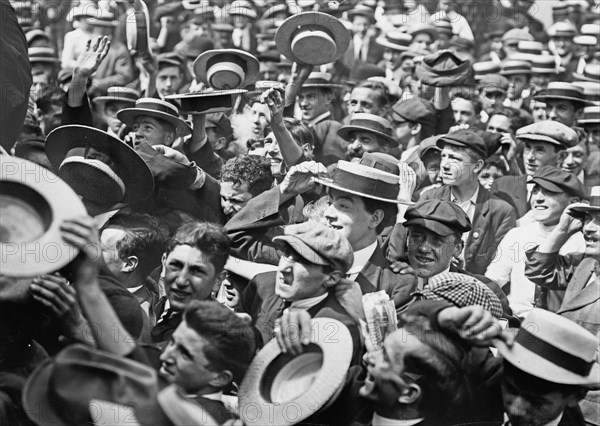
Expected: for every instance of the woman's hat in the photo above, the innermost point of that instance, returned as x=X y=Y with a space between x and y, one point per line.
x=33 y=204
x=369 y=123
x=98 y=166
x=283 y=389
x=313 y=38
x=151 y=107
x=226 y=69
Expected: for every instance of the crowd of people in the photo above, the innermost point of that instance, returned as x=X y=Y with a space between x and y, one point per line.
x=257 y=212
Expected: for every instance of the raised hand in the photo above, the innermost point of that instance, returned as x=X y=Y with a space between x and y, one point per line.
x=299 y=178
x=91 y=58
x=274 y=99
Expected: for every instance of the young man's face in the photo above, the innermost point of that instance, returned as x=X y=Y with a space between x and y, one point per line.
x=363 y=99
x=564 y=45
x=516 y=85
x=313 y=102
x=109 y=238
x=488 y=175
x=110 y=115
x=260 y=117
x=189 y=275
x=273 y=153
x=298 y=279
x=576 y=159
x=153 y=131
x=360 y=25
x=420 y=42
x=538 y=111
x=361 y=142
x=593 y=132
x=464 y=112
x=548 y=206
x=431 y=161
x=234 y=197
x=429 y=253
x=491 y=97
x=537 y=154
x=591 y=234
x=168 y=80
x=499 y=124
x=391 y=58
x=457 y=167
x=562 y=111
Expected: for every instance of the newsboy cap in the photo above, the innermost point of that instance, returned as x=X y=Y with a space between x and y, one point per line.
x=465 y=138
x=554 y=179
x=440 y=216
x=319 y=244
x=549 y=131
x=444 y=68
x=415 y=110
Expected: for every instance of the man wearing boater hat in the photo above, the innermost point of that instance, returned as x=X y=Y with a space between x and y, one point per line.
x=564 y=102
x=115 y=100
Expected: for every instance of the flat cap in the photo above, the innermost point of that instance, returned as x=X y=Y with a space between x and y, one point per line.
x=440 y=216
x=556 y=180
x=549 y=131
x=415 y=110
x=319 y=244
x=465 y=138
x=492 y=81
x=444 y=68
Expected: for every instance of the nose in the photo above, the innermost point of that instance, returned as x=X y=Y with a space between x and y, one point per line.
x=516 y=407
x=330 y=213
x=165 y=356
x=590 y=228
x=182 y=279
x=552 y=113
x=569 y=158
x=355 y=145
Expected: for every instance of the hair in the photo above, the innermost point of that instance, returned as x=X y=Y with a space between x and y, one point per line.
x=518 y=118
x=468 y=95
x=496 y=161
x=210 y=238
x=382 y=94
x=315 y=210
x=389 y=211
x=250 y=169
x=231 y=339
x=300 y=131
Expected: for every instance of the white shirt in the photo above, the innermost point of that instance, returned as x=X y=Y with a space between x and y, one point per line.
x=384 y=421
x=508 y=265
x=468 y=207
x=361 y=47
x=134 y=289
x=308 y=303
x=361 y=257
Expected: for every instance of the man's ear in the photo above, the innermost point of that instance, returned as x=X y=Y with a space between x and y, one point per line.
x=458 y=248
x=478 y=166
x=221 y=379
x=163 y=262
x=307 y=150
x=333 y=278
x=221 y=142
x=218 y=281
x=130 y=264
x=574 y=200
x=410 y=394
x=415 y=128
x=376 y=218
x=169 y=138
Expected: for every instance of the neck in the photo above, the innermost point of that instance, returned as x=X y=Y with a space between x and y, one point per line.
x=414 y=141
x=364 y=242
x=206 y=390
x=404 y=412
x=466 y=190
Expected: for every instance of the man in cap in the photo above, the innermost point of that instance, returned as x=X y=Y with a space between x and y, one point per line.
x=367 y=133
x=220 y=134
x=414 y=121
x=463 y=154
x=545 y=143
x=564 y=102
x=553 y=191
x=492 y=90
x=170 y=75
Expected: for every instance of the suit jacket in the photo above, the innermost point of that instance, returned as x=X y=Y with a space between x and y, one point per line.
x=329 y=147
x=116 y=69
x=492 y=220
x=215 y=409
x=374 y=54
x=513 y=189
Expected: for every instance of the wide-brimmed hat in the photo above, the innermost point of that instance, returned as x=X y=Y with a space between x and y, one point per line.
x=530 y=47
x=562 y=29
x=591 y=115
x=549 y=131
x=137 y=32
x=283 y=389
x=484 y=68
x=102 y=18
x=242 y=8
x=364 y=181
x=151 y=107
x=42 y=54
x=320 y=79
x=33 y=204
x=554 y=348
x=312 y=37
x=395 y=40
x=208 y=101
x=443 y=68
x=118 y=94
x=514 y=66
x=563 y=91
x=591 y=72
x=83 y=9
x=369 y=123
x=225 y=69
x=98 y=166
x=426 y=28
x=594 y=204
x=591 y=90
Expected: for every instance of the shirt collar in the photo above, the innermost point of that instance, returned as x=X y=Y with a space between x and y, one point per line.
x=384 y=421
x=308 y=303
x=134 y=289
x=361 y=257
x=217 y=396
x=473 y=199
x=319 y=118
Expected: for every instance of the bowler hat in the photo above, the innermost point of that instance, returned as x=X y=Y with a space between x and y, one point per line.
x=225 y=69
x=556 y=180
x=369 y=123
x=549 y=131
x=593 y=206
x=554 y=348
x=559 y=90
x=33 y=204
x=98 y=166
x=284 y=389
x=118 y=94
x=395 y=40
x=464 y=138
x=440 y=216
x=444 y=68
x=157 y=108
x=312 y=37
x=591 y=72
x=591 y=115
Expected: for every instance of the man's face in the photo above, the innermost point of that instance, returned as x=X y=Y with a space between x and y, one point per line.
x=593 y=132
x=168 y=81
x=313 y=102
x=516 y=84
x=576 y=159
x=360 y=25
x=260 y=116
x=457 y=167
x=362 y=99
x=361 y=142
x=110 y=115
x=273 y=153
x=562 y=111
x=429 y=253
x=109 y=238
x=431 y=161
x=268 y=71
x=391 y=58
x=591 y=234
x=189 y=275
x=491 y=97
x=547 y=206
x=499 y=124
x=538 y=111
x=464 y=112
x=347 y=214
x=564 y=45
x=537 y=154
x=488 y=175
x=402 y=132
x=420 y=42
x=298 y=279
x=234 y=197
x=183 y=362
x=153 y=131
x=496 y=44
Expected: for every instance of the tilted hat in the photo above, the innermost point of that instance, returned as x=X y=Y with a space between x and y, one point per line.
x=443 y=68
x=225 y=69
x=415 y=110
x=395 y=40
x=368 y=123
x=283 y=389
x=207 y=101
x=554 y=348
x=42 y=54
x=564 y=91
x=464 y=138
x=557 y=180
x=98 y=166
x=118 y=94
x=320 y=79
x=562 y=29
x=513 y=66
x=157 y=108
x=484 y=68
x=319 y=244
x=549 y=131
x=440 y=216
x=312 y=37
x=33 y=204
x=593 y=206
x=591 y=72
x=591 y=115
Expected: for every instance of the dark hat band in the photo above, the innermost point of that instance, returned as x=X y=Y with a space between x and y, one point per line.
x=374 y=125
x=398 y=42
x=553 y=354
x=588 y=74
x=595 y=201
x=365 y=185
x=530 y=51
x=156 y=107
x=544 y=65
x=226 y=57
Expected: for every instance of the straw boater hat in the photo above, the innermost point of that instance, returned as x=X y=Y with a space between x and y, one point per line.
x=42 y=54
x=591 y=72
x=118 y=94
x=591 y=90
x=98 y=166
x=102 y=18
x=585 y=40
x=591 y=115
x=369 y=123
x=312 y=37
x=225 y=69
x=484 y=68
x=564 y=91
x=513 y=66
x=283 y=389
x=33 y=204
x=242 y=8
x=562 y=29
x=559 y=351
x=151 y=107
x=545 y=64
x=593 y=206
x=320 y=79
x=137 y=30
x=395 y=40
x=413 y=30
x=362 y=10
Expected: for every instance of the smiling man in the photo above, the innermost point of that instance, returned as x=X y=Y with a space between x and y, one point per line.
x=367 y=133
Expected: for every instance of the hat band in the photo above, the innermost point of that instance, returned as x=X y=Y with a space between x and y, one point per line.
x=553 y=354
x=374 y=125
x=156 y=107
x=365 y=185
x=587 y=74
x=226 y=57
x=595 y=201
x=564 y=93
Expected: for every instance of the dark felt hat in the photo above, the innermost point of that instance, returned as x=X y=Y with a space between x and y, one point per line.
x=440 y=216
x=369 y=123
x=464 y=138
x=444 y=68
x=556 y=180
x=415 y=110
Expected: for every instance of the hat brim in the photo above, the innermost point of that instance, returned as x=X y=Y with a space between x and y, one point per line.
x=302 y=249
x=581 y=77
x=63 y=204
x=252 y=65
x=344 y=133
x=35 y=400
x=537 y=137
x=102 y=100
x=383 y=42
x=582 y=102
x=332 y=25
x=128 y=116
x=550 y=186
x=584 y=208
x=588 y=121
x=139 y=181
x=33 y=59
x=212 y=102
x=330 y=183
x=432 y=225
x=337 y=354
x=536 y=365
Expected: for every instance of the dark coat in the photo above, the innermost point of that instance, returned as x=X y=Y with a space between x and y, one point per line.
x=513 y=189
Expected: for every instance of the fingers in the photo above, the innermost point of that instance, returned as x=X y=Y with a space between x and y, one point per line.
x=50 y=291
x=96 y=44
x=88 y=45
x=291 y=333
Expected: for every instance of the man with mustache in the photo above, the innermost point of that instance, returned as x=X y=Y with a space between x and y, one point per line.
x=367 y=133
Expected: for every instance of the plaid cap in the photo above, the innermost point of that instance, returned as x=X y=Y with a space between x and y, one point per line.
x=461 y=290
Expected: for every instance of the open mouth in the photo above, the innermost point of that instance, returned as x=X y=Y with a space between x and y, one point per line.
x=164 y=371
x=335 y=227
x=423 y=259
x=282 y=280
x=540 y=207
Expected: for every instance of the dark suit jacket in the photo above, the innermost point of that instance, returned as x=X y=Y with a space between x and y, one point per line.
x=374 y=54
x=492 y=220
x=513 y=189
x=329 y=147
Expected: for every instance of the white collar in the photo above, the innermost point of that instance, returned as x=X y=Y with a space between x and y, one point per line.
x=217 y=396
x=361 y=257
x=473 y=198
x=384 y=421
x=319 y=118
x=134 y=289
x=308 y=303
x=554 y=422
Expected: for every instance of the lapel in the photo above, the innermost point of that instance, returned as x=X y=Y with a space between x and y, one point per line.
x=519 y=192
x=368 y=278
x=480 y=218
x=576 y=296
